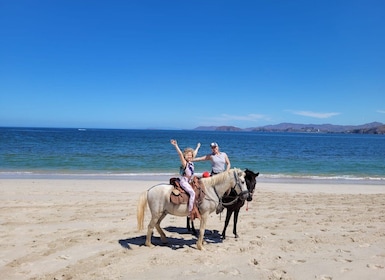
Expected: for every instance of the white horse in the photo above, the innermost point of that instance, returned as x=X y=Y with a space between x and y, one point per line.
x=158 y=200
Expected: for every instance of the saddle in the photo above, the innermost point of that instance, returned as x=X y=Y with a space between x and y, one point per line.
x=179 y=195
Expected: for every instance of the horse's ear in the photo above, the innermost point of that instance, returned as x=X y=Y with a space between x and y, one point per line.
x=240 y=172
x=252 y=173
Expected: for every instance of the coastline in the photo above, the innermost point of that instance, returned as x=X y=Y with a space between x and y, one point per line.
x=73 y=228
x=164 y=177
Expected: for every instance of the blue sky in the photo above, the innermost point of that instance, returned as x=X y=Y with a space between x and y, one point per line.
x=182 y=64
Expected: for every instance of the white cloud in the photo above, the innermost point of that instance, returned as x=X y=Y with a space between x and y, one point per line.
x=381 y=111
x=315 y=114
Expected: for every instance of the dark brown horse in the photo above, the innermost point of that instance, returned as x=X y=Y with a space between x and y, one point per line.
x=233 y=204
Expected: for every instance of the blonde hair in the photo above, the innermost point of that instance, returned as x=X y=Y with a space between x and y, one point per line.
x=188 y=150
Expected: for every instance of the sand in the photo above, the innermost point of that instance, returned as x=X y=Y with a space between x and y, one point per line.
x=86 y=229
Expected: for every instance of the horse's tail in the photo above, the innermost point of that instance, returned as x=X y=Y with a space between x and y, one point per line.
x=141 y=208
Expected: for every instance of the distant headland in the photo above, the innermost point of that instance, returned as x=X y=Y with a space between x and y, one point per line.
x=369 y=128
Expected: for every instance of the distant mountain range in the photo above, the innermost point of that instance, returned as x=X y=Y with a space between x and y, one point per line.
x=369 y=128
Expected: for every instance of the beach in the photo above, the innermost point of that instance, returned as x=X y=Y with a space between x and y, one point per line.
x=86 y=229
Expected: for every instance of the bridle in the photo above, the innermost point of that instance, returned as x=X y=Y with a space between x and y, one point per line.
x=221 y=204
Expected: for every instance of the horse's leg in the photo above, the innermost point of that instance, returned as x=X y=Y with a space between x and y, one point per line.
x=188 y=224
x=191 y=228
x=236 y=212
x=202 y=228
x=228 y=216
x=150 y=229
x=163 y=237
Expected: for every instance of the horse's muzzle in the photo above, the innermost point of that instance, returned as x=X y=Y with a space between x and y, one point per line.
x=244 y=195
x=249 y=196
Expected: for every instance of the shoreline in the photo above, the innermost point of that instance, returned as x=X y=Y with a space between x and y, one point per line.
x=164 y=177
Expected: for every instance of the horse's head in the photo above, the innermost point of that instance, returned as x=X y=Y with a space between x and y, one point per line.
x=251 y=181
x=240 y=184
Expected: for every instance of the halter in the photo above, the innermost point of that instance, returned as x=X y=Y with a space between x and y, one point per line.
x=221 y=205
x=238 y=183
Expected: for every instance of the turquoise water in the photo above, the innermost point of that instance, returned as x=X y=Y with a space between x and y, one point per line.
x=110 y=152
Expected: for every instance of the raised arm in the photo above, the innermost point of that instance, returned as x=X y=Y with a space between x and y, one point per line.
x=181 y=157
x=197 y=149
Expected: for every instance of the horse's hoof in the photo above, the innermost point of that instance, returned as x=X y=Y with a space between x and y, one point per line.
x=200 y=247
x=236 y=236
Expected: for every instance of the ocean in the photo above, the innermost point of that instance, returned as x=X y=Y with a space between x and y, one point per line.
x=128 y=153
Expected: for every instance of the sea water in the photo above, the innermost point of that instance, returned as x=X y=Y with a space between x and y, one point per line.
x=144 y=153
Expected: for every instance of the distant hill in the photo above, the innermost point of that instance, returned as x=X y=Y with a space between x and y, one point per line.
x=206 y=128
x=219 y=128
x=369 y=128
x=374 y=130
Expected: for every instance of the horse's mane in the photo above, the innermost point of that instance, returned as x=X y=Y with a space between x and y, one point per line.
x=219 y=178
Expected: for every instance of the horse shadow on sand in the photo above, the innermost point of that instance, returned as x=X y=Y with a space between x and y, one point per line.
x=174 y=243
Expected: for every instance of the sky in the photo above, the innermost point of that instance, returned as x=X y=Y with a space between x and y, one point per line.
x=184 y=64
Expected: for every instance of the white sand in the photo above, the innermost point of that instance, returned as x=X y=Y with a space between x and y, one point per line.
x=86 y=229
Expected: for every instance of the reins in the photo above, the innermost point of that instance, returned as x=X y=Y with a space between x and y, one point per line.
x=221 y=204
x=231 y=202
x=237 y=183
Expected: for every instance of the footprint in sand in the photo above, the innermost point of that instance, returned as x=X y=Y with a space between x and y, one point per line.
x=231 y=272
x=343 y=260
x=298 y=261
x=279 y=274
x=342 y=251
x=375 y=266
x=64 y=257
